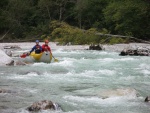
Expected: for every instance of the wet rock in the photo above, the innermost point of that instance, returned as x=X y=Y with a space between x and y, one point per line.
x=19 y=63
x=16 y=63
x=11 y=63
x=8 y=52
x=95 y=47
x=3 y=107
x=5 y=91
x=5 y=59
x=136 y=52
x=118 y=92
x=12 y=47
x=147 y=99
x=43 y=105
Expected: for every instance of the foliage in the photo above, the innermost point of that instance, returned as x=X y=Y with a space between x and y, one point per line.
x=65 y=33
x=115 y=40
x=27 y=18
x=128 y=17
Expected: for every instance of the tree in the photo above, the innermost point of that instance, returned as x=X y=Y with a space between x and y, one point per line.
x=46 y=6
x=80 y=7
x=3 y=21
x=15 y=15
x=128 y=17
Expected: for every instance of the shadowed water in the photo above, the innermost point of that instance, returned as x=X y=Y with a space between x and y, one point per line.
x=81 y=82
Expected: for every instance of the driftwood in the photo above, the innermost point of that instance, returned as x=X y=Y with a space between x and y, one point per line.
x=4 y=35
x=121 y=36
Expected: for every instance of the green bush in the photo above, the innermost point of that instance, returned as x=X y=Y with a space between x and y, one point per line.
x=116 y=40
x=65 y=33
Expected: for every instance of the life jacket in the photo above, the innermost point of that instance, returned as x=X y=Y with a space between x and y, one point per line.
x=45 y=48
x=37 y=49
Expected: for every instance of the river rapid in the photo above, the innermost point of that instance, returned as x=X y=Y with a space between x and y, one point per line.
x=81 y=82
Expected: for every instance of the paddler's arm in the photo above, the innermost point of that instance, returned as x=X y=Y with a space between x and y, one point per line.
x=32 y=49
x=49 y=49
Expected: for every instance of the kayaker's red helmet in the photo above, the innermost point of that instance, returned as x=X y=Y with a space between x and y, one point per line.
x=46 y=41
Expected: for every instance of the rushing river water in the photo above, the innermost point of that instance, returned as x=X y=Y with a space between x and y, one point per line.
x=81 y=82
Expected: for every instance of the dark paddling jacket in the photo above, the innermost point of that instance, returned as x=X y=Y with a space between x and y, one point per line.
x=37 y=49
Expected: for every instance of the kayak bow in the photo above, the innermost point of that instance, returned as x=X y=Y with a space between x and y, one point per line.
x=42 y=57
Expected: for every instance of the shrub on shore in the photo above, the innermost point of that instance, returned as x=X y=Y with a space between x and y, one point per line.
x=64 y=33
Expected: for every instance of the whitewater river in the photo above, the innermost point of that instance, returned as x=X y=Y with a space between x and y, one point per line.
x=81 y=82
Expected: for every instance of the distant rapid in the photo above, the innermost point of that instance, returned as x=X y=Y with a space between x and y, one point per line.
x=81 y=82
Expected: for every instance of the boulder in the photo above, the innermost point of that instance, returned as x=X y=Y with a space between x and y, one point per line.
x=95 y=47
x=136 y=52
x=43 y=105
x=11 y=63
x=12 y=47
x=118 y=92
x=147 y=99
x=8 y=52
x=5 y=59
x=5 y=91
x=18 y=62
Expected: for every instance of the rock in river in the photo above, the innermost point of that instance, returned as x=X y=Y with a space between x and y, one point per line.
x=43 y=105
x=5 y=59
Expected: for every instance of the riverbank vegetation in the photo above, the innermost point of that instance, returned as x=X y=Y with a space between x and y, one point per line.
x=75 y=21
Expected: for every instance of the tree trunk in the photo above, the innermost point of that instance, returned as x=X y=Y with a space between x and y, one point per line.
x=4 y=35
x=48 y=12
x=60 y=13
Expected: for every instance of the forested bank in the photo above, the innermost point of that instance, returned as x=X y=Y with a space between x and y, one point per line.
x=74 y=21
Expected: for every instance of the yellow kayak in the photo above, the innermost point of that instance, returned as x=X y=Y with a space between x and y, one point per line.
x=42 y=57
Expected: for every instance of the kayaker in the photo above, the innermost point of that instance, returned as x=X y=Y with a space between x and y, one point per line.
x=37 y=48
x=45 y=47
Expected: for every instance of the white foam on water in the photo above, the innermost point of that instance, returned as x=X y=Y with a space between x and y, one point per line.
x=110 y=60
x=111 y=101
x=27 y=76
x=93 y=73
x=144 y=66
x=58 y=50
x=146 y=72
x=127 y=78
x=65 y=63
x=33 y=91
x=39 y=64
x=90 y=73
x=105 y=60
x=67 y=78
x=107 y=53
x=42 y=111
x=76 y=111
x=62 y=51
x=107 y=72
x=126 y=59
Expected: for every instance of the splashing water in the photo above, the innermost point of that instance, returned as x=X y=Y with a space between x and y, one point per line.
x=81 y=82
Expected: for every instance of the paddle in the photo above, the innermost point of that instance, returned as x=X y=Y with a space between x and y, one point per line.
x=24 y=55
x=55 y=60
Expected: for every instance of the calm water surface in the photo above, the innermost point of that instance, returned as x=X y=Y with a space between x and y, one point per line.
x=77 y=82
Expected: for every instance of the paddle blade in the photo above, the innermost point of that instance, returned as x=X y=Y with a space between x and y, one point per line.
x=55 y=60
x=23 y=56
